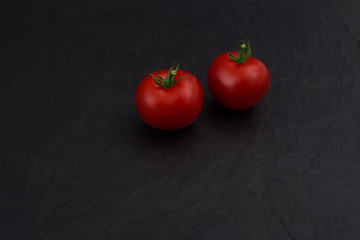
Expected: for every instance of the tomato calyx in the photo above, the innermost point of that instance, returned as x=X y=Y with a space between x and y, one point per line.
x=169 y=80
x=244 y=53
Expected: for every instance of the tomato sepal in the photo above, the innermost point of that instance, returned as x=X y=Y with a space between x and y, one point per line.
x=244 y=53
x=169 y=80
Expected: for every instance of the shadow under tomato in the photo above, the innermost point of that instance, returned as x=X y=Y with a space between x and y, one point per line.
x=160 y=137
x=219 y=115
x=147 y=137
x=167 y=148
x=219 y=111
x=236 y=127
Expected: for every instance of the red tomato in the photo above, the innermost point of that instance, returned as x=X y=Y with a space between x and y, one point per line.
x=169 y=108
x=238 y=86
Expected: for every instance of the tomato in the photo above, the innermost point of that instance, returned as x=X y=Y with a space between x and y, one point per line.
x=237 y=80
x=169 y=99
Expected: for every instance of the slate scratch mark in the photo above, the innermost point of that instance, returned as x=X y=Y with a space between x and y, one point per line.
x=311 y=197
x=281 y=221
x=285 y=228
x=351 y=34
x=290 y=211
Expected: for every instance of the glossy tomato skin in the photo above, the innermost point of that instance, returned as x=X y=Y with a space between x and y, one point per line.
x=237 y=86
x=173 y=108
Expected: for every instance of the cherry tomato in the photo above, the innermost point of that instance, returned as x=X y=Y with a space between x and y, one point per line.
x=237 y=80
x=169 y=99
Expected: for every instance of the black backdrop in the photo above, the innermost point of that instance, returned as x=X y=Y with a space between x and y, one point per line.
x=77 y=161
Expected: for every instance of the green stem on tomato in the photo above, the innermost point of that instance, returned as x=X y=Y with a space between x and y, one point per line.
x=244 y=53
x=169 y=80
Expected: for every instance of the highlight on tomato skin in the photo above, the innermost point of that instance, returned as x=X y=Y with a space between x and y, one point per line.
x=237 y=80
x=169 y=99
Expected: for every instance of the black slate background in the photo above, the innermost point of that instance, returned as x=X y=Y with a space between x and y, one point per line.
x=77 y=162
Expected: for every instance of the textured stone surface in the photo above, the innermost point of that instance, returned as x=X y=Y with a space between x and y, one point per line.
x=77 y=162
